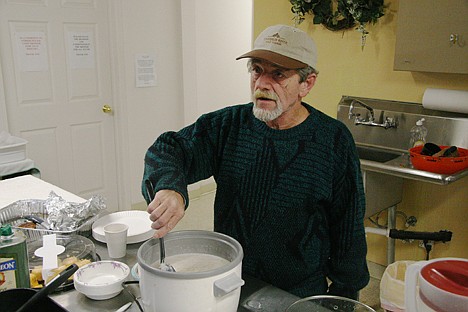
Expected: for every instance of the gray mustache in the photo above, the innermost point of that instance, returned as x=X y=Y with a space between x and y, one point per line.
x=266 y=95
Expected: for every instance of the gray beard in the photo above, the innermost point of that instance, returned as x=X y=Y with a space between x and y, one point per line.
x=267 y=115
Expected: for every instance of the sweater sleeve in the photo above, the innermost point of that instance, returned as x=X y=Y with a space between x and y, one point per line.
x=347 y=264
x=177 y=159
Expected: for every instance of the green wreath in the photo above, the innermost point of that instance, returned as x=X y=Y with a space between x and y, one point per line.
x=339 y=14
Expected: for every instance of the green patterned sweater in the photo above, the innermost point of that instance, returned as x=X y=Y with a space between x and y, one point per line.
x=293 y=198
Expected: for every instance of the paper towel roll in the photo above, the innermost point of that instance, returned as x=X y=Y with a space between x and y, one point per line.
x=446 y=100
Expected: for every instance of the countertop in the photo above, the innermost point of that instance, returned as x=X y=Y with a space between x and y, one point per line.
x=31 y=187
x=255 y=294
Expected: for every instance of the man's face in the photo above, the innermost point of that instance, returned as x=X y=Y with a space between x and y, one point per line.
x=274 y=89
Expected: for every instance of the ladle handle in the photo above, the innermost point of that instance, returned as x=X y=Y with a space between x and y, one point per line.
x=149 y=190
x=162 y=250
x=150 y=193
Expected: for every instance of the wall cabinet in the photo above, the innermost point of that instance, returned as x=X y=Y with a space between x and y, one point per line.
x=432 y=36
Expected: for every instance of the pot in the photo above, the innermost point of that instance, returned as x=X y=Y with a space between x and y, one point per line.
x=210 y=289
x=27 y=300
x=443 y=285
x=12 y=299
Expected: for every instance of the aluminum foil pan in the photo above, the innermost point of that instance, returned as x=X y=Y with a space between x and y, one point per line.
x=61 y=217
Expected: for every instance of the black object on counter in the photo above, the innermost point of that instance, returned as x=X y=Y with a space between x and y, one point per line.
x=430 y=149
x=32 y=303
x=12 y=299
x=451 y=152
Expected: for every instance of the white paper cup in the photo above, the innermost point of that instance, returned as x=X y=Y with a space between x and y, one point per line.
x=116 y=239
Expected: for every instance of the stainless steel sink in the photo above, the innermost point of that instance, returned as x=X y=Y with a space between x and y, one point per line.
x=377 y=154
x=382 y=190
x=385 y=150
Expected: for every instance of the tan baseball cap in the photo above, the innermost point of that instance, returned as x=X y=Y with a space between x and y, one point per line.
x=285 y=46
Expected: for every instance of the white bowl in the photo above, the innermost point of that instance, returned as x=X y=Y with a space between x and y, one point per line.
x=101 y=280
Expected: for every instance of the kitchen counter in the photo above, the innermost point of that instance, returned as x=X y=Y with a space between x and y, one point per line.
x=31 y=187
x=255 y=294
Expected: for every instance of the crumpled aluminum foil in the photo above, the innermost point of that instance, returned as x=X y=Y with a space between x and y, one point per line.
x=66 y=216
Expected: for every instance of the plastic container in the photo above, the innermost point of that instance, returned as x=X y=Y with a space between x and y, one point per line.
x=12 y=150
x=442 y=285
x=14 y=270
x=78 y=249
x=442 y=165
x=418 y=134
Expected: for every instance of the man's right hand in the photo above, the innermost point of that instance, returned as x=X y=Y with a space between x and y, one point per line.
x=166 y=210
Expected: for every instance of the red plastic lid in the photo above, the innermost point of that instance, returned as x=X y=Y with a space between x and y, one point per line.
x=449 y=275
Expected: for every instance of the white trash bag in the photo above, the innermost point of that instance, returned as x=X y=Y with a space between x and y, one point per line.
x=392 y=286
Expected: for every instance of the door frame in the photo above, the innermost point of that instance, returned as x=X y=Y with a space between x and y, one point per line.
x=119 y=98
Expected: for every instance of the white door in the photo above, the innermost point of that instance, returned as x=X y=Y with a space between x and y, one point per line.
x=56 y=70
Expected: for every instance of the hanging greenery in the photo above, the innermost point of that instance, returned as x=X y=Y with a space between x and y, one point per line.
x=339 y=14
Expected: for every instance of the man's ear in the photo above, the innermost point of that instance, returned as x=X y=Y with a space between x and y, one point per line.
x=307 y=85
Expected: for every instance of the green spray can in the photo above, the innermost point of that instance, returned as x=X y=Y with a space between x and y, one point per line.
x=14 y=264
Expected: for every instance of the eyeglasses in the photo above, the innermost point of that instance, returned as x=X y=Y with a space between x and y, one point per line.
x=277 y=74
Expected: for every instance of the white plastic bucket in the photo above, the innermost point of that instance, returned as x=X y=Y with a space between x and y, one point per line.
x=448 y=273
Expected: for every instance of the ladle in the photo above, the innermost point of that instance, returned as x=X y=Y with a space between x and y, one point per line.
x=162 y=250
x=50 y=287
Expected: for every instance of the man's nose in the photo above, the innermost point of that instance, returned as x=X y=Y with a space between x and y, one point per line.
x=263 y=81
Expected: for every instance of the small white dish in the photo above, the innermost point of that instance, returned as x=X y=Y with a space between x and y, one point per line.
x=101 y=280
x=136 y=272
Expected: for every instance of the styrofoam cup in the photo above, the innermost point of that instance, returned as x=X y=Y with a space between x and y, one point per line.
x=116 y=239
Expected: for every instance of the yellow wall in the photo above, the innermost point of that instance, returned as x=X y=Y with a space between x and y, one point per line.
x=345 y=69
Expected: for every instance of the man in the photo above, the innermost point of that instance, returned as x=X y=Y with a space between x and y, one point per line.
x=289 y=184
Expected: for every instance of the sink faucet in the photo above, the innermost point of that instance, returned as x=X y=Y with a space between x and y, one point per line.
x=388 y=123
x=352 y=114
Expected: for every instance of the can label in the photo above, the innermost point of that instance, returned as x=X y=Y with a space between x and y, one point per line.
x=7 y=273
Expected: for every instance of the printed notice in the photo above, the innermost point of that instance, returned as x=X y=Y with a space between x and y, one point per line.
x=81 y=50
x=32 y=51
x=144 y=70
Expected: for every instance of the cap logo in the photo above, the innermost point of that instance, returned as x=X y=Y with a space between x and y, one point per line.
x=275 y=39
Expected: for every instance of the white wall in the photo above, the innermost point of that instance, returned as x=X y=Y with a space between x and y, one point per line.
x=215 y=32
x=195 y=43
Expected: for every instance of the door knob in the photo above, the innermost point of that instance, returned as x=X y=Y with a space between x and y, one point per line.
x=107 y=109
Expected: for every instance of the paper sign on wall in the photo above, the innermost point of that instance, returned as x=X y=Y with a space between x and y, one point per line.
x=32 y=51
x=145 y=71
x=81 y=50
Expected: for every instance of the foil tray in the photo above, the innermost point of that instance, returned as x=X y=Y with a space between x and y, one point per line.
x=15 y=213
